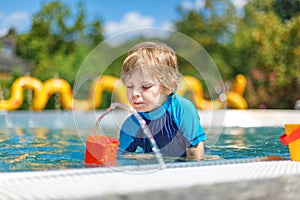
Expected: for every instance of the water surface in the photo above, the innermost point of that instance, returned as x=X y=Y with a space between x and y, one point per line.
x=30 y=149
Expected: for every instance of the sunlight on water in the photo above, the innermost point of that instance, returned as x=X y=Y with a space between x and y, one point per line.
x=29 y=149
x=250 y=142
x=39 y=149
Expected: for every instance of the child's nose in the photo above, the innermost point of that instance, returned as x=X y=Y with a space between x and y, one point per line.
x=136 y=92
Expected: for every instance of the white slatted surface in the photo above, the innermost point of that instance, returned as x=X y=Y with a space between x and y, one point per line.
x=97 y=182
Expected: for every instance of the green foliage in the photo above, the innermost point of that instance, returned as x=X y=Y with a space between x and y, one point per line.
x=269 y=55
x=211 y=26
x=262 y=44
x=58 y=41
x=287 y=9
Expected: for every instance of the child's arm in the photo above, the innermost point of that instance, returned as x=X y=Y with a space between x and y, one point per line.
x=195 y=153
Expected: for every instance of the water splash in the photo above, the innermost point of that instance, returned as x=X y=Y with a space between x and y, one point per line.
x=143 y=125
x=57 y=104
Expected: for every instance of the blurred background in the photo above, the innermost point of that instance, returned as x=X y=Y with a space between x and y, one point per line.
x=258 y=39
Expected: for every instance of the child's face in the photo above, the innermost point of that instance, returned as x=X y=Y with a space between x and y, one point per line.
x=143 y=92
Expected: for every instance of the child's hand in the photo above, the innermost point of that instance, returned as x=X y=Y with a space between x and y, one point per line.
x=195 y=153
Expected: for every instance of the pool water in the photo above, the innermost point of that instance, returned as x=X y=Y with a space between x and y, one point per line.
x=30 y=149
x=238 y=142
x=39 y=149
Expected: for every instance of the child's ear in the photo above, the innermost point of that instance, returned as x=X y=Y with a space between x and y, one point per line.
x=167 y=91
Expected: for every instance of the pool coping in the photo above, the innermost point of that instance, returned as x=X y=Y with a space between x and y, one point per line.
x=100 y=182
x=208 y=118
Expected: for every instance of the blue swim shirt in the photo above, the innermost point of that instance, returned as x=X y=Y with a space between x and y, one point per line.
x=175 y=126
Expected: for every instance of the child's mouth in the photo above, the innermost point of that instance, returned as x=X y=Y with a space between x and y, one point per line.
x=137 y=103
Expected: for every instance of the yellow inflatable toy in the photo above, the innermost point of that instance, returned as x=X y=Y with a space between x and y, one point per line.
x=193 y=85
x=43 y=91
x=235 y=97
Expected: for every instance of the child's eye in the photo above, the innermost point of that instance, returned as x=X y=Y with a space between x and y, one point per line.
x=129 y=86
x=146 y=87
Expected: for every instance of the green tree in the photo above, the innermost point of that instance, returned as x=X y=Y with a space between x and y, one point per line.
x=211 y=26
x=287 y=9
x=262 y=43
x=266 y=48
x=58 y=40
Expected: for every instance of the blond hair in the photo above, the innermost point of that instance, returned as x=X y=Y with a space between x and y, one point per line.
x=158 y=59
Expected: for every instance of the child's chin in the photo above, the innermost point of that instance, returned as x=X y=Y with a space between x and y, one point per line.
x=139 y=109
